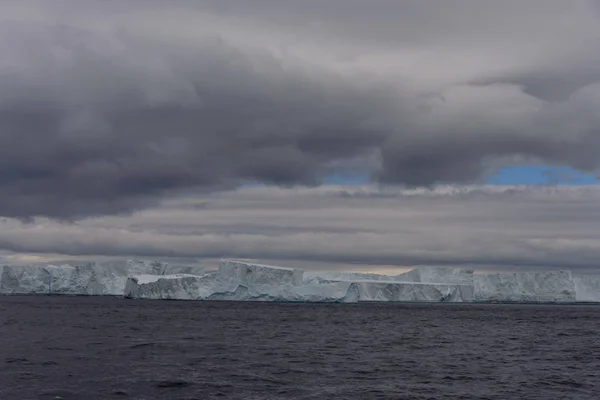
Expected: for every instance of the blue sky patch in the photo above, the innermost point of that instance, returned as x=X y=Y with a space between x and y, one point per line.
x=541 y=175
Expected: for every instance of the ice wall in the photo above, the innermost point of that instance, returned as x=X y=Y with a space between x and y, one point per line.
x=171 y=269
x=244 y=281
x=316 y=276
x=104 y=278
x=217 y=287
x=434 y=274
x=236 y=280
x=177 y=286
x=407 y=291
x=100 y=279
x=547 y=286
x=422 y=274
x=19 y=279
x=258 y=274
x=587 y=288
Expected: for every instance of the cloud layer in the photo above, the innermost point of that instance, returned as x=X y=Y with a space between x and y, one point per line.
x=109 y=107
x=342 y=227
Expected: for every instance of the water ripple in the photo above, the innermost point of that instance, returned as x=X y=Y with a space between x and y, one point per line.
x=104 y=348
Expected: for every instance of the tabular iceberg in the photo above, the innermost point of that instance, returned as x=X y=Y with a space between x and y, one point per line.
x=434 y=274
x=244 y=281
x=104 y=278
x=549 y=286
x=19 y=279
x=587 y=288
x=424 y=274
x=237 y=280
x=258 y=274
x=343 y=276
x=409 y=291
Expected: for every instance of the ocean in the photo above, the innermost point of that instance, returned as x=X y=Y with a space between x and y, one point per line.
x=113 y=348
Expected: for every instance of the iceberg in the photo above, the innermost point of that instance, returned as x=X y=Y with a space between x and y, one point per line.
x=237 y=280
x=246 y=281
x=19 y=279
x=587 y=288
x=536 y=287
x=196 y=270
x=434 y=274
x=408 y=291
x=168 y=287
x=318 y=276
x=423 y=274
x=258 y=274
x=104 y=278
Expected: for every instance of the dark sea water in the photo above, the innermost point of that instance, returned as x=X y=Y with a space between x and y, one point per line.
x=111 y=348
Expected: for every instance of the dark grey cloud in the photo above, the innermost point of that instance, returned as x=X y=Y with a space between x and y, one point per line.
x=109 y=107
x=362 y=228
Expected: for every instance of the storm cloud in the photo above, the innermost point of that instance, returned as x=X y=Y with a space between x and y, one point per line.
x=363 y=228
x=111 y=107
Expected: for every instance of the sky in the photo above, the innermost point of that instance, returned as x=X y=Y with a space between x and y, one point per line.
x=340 y=134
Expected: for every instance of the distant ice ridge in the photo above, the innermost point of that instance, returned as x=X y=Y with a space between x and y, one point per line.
x=104 y=278
x=245 y=281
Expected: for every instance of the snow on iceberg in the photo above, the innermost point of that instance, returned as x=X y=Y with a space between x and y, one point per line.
x=537 y=287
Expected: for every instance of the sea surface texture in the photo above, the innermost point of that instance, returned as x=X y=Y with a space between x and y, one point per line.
x=112 y=348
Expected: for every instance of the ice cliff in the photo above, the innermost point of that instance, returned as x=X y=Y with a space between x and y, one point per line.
x=587 y=288
x=103 y=278
x=543 y=287
x=244 y=281
x=236 y=280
